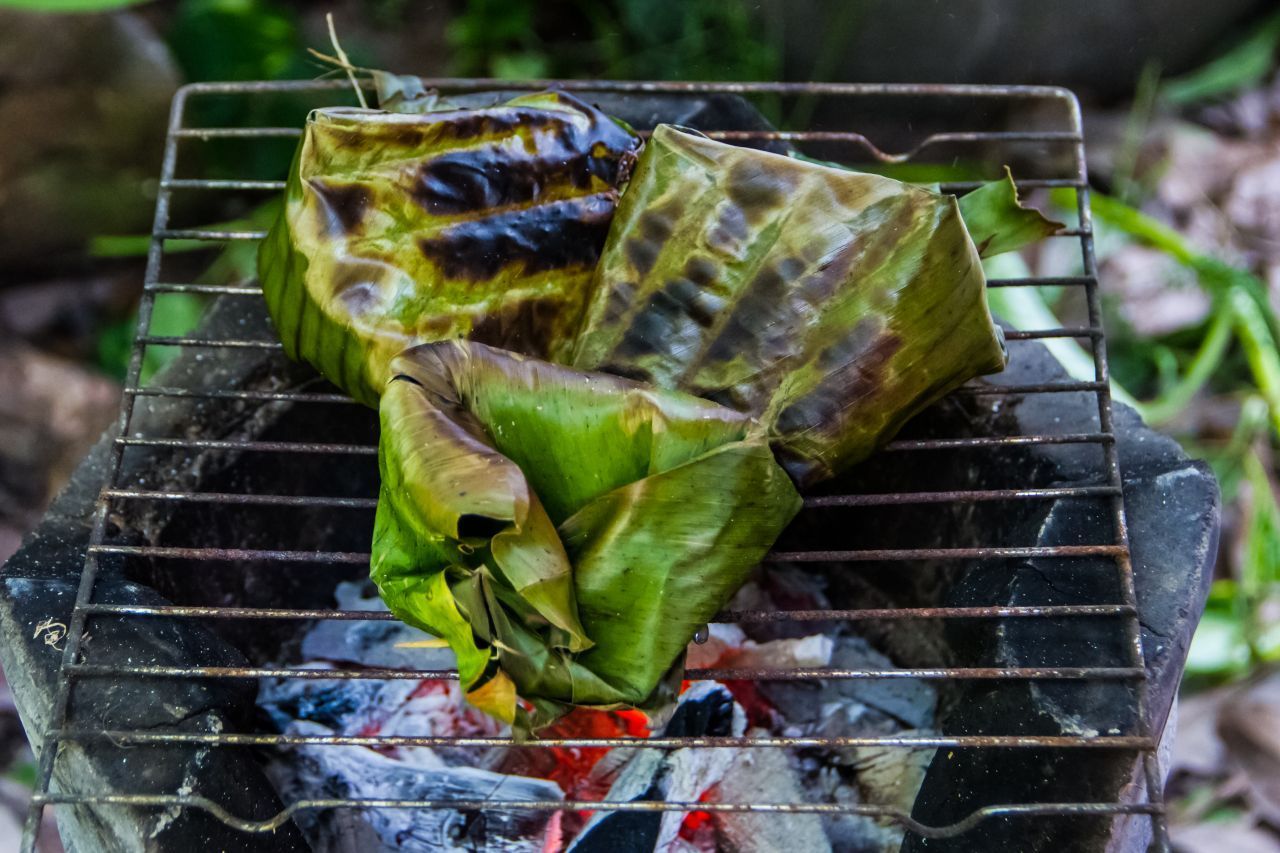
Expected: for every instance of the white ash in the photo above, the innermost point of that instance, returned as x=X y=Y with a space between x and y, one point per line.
x=353 y=771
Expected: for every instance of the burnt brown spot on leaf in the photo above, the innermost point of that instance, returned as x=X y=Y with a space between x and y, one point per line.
x=565 y=234
x=344 y=204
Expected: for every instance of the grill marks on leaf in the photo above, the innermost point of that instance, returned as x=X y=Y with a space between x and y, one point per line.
x=855 y=368
x=566 y=234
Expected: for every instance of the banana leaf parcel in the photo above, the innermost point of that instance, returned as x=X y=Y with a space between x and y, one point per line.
x=565 y=532
x=400 y=228
x=831 y=305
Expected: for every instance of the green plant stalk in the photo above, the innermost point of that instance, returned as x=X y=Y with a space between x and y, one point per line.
x=1260 y=349
x=1243 y=292
x=1206 y=360
x=1258 y=566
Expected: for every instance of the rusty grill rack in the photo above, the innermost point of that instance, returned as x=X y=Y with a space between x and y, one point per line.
x=1142 y=740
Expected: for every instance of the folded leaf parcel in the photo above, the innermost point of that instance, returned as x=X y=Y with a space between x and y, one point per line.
x=602 y=367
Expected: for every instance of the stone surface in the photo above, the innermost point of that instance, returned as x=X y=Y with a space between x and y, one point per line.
x=1172 y=507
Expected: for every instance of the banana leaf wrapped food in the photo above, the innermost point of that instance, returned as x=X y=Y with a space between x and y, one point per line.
x=399 y=229
x=566 y=532
x=832 y=305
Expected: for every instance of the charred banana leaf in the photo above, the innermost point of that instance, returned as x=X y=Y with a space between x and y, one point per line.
x=399 y=229
x=566 y=532
x=832 y=305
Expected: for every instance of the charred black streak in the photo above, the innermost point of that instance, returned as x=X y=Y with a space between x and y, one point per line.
x=525 y=326
x=565 y=151
x=860 y=374
x=755 y=188
x=746 y=331
x=642 y=254
x=701 y=271
x=566 y=234
x=345 y=204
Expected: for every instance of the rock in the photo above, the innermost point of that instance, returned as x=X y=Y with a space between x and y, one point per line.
x=83 y=109
x=50 y=414
x=1172 y=507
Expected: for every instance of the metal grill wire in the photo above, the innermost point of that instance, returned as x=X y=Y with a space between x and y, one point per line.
x=1142 y=740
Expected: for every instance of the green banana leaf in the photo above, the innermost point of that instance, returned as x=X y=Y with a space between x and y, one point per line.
x=399 y=229
x=998 y=222
x=831 y=305
x=566 y=532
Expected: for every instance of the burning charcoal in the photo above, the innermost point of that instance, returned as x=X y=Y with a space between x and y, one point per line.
x=353 y=771
x=705 y=708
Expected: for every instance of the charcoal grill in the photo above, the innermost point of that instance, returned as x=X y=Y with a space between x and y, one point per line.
x=1037 y=130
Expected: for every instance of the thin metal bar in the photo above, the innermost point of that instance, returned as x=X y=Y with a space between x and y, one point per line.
x=147 y=738
x=1023 y=184
x=241 y=499
x=1026 y=673
x=1065 y=332
x=1111 y=460
x=233 y=554
x=262 y=396
x=861 y=556
x=961 y=496
x=889 y=499
x=212 y=289
x=193 y=184
x=893 y=554
x=372 y=450
x=169 y=801
x=220 y=235
x=983 y=389
x=1054 y=281
x=259 y=446
x=1043 y=281
x=998 y=441
x=226 y=343
x=481 y=84
x=206 y=133
x=730 y=616
x=986 y=389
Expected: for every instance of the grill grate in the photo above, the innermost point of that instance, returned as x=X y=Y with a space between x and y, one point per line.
x=1067 y=141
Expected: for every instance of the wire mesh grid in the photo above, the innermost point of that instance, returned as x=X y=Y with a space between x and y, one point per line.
x=1065 y=138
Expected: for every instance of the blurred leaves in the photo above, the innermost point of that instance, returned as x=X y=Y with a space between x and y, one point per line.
x=624 y=39
x=1245 y=65
x=69 y=5
x=236 y=40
